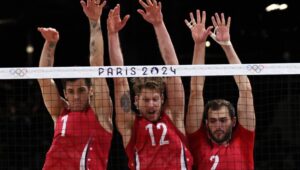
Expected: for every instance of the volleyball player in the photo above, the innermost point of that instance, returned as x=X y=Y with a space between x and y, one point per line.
x=154 y=136
x=82 y=118
x=224 y=140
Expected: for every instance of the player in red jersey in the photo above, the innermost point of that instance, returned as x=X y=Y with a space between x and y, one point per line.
x=154 y=137
x=222 y=142
x=82 y=119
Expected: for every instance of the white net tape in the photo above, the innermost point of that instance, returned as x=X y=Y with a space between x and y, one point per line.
x=149 y=71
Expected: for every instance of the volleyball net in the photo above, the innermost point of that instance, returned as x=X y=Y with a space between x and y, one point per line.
x=149 y=71
x=26 y=127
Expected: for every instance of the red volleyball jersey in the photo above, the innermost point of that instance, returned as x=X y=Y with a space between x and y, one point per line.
x=79 y=142
x=158 y=145
x=236 y=155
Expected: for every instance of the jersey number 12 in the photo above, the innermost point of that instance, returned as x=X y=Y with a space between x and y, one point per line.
x=162 y=140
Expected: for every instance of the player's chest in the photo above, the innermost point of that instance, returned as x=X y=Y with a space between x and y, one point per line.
x=76 y=124
x=157 y=135
x=222 y=157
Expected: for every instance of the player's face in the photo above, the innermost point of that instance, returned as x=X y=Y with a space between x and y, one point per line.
x=149 y=104
x=77 y=93
x=220 y=125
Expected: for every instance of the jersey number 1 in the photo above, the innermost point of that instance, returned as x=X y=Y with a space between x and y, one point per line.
x=64 y=119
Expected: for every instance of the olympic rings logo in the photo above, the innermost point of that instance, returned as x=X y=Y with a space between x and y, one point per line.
x=255 y=68
x=19 y=72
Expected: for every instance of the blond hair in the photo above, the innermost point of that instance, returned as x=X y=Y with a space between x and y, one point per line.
x=154 y=83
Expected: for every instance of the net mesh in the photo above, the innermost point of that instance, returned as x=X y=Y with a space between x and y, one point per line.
x=26 y=127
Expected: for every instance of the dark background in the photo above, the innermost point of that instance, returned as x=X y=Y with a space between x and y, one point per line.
x=258 y=36
x=26 y=128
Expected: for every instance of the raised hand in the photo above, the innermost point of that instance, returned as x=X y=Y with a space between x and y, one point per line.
x=152 y=13
x=49 y=34
x=221 y=27
x=114 y=21
x=93 y=8
x=197 y=27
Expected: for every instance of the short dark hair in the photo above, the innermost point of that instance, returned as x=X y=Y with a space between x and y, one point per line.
x=87 y=81
x=155 y=83
x=216 y=104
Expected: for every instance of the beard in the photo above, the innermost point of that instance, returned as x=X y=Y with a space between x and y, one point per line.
x=225 y=138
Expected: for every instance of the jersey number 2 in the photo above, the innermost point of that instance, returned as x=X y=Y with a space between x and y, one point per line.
x=162 y=140
x=214 y=158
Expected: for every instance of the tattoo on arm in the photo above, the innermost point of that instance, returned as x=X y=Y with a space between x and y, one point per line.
x=95 y=27
x=48 y=59
x=125 y=102
x=52 y=45
x=95 y=30
x=92 y=47
x=50 y=53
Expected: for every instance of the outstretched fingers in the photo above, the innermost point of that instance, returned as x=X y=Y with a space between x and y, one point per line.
x=144 y=5
x=102 y=4
x=114 y=21
x=198 y=16
x=83 y=4
x=124 y=20
x=228 y=22
x=192 y=21
x=220 y=21
x=116 y=10
x=200 y=19
x=209 y=30
x=149 y=2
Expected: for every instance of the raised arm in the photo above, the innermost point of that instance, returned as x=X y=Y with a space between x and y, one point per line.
x=196 y=103
x=152 y=13
x=93 y=12
x=52 y=99
x=124 y=116
x=175 y=92
x=245 y=105
x=101 y=101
